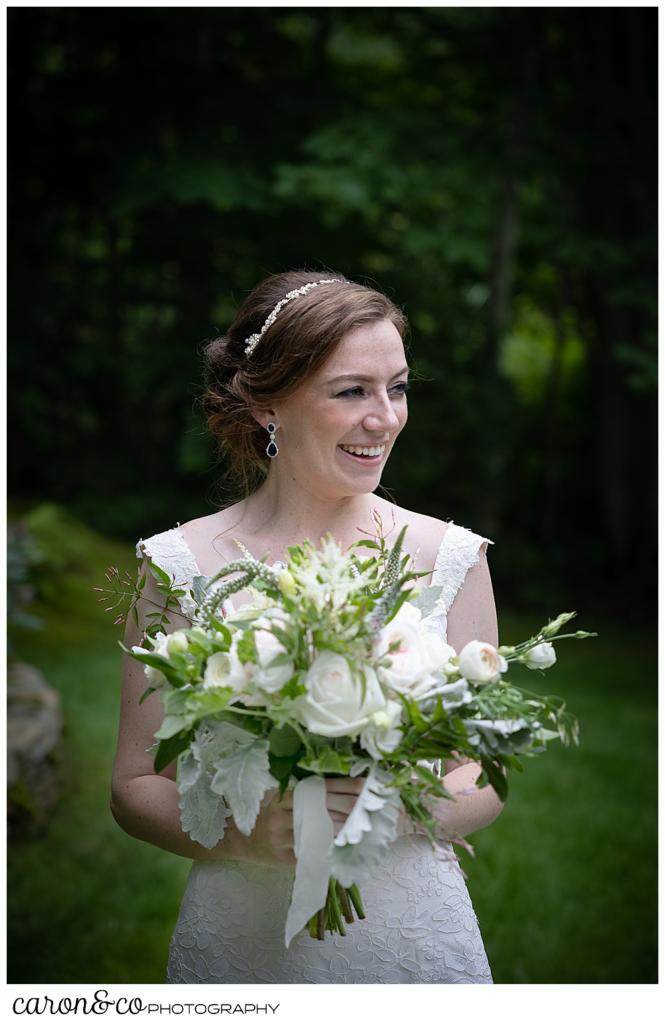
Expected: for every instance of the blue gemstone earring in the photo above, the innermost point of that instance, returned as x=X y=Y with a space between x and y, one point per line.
x=272 y=450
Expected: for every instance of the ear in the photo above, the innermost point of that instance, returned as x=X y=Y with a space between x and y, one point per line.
x=265 y=416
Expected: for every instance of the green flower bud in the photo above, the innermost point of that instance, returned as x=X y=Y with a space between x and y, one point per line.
x=287 y=584
x=176 y=642
x=552 y=628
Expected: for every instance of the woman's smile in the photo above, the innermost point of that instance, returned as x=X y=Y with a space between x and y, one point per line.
x=374 y=457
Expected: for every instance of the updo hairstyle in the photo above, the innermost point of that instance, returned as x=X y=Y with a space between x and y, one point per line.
x=305 y=333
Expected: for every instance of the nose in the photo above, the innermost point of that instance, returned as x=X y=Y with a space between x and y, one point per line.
x=382 y=415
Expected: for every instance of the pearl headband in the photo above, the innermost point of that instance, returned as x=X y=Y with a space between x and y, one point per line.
x=253 y=340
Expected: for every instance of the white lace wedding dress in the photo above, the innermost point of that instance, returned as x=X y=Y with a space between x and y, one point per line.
x=420 y=925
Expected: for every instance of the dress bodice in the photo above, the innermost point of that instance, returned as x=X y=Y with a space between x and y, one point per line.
x=458 y=552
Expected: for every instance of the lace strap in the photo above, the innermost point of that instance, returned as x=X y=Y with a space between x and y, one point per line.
x=170 y=551
x=459 y=550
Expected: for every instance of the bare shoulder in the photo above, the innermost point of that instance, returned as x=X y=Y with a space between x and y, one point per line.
x=424 y=533
x=205 y=531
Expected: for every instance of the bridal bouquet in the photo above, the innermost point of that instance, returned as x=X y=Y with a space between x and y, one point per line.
x=336 y=668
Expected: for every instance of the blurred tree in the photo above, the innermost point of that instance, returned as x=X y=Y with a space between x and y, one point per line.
x=493 y=169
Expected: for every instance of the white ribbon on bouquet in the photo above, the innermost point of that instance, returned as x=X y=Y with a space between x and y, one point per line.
x=349 y=857
x=313 y=837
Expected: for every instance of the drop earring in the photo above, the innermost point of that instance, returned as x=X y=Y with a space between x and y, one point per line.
x=272 y=450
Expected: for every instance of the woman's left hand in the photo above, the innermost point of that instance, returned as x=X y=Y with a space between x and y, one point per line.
x=341 y=797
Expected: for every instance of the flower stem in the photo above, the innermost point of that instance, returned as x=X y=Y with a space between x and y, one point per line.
x=345 y=904
x=335 y=907
x=354 y=893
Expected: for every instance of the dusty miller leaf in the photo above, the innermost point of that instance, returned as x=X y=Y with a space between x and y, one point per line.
x=367 y=833
x=203 y=813
x=242 y=777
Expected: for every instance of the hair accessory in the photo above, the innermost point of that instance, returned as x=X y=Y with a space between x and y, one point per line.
x=272 y=450
x=254 y=339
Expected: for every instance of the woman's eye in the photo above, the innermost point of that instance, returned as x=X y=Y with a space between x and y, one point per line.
x=400 y=389
x=350 y=391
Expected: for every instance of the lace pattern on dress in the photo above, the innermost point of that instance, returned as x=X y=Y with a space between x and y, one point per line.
x=459 y=550
x=171 y=552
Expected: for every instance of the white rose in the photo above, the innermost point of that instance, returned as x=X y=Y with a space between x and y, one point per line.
x=334 y=705
x=411 y=662
x=439 y=653
x=218 y=671
x=407 y=612
x=481 y=663
x=381 y=733
x=541 y=656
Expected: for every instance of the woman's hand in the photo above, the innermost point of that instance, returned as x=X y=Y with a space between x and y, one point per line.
x=272 y=838
x=341 y=798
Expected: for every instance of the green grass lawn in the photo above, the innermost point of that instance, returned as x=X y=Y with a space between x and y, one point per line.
x=564 y=882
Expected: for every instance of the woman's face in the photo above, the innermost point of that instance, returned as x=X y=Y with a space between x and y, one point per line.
x=357 y=399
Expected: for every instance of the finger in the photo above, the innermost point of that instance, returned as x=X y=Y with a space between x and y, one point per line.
x=340 y=802
x=345 y=785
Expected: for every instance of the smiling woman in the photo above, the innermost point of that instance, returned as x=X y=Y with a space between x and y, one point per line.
x=306 y=395
x=302 y=356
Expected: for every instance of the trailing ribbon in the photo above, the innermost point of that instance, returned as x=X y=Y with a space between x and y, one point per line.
x=313 y=837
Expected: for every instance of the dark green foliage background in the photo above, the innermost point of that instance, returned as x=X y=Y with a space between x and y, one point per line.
x=494 y=171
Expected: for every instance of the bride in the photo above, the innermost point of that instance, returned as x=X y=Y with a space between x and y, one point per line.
x=306 y=395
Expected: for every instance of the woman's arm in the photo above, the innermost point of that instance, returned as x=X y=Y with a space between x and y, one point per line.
x=471 y=617
x=143 y=803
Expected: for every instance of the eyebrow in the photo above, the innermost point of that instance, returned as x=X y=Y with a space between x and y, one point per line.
x=359 y=376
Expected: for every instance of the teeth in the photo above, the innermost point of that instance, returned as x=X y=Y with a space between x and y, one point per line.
x=376 y=450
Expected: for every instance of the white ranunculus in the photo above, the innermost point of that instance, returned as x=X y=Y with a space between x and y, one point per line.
x=333 y=704
x=480 y=662
x=381 y=733
x=541 y=656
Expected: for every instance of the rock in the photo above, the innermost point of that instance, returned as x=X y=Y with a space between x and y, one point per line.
x=34 y=738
